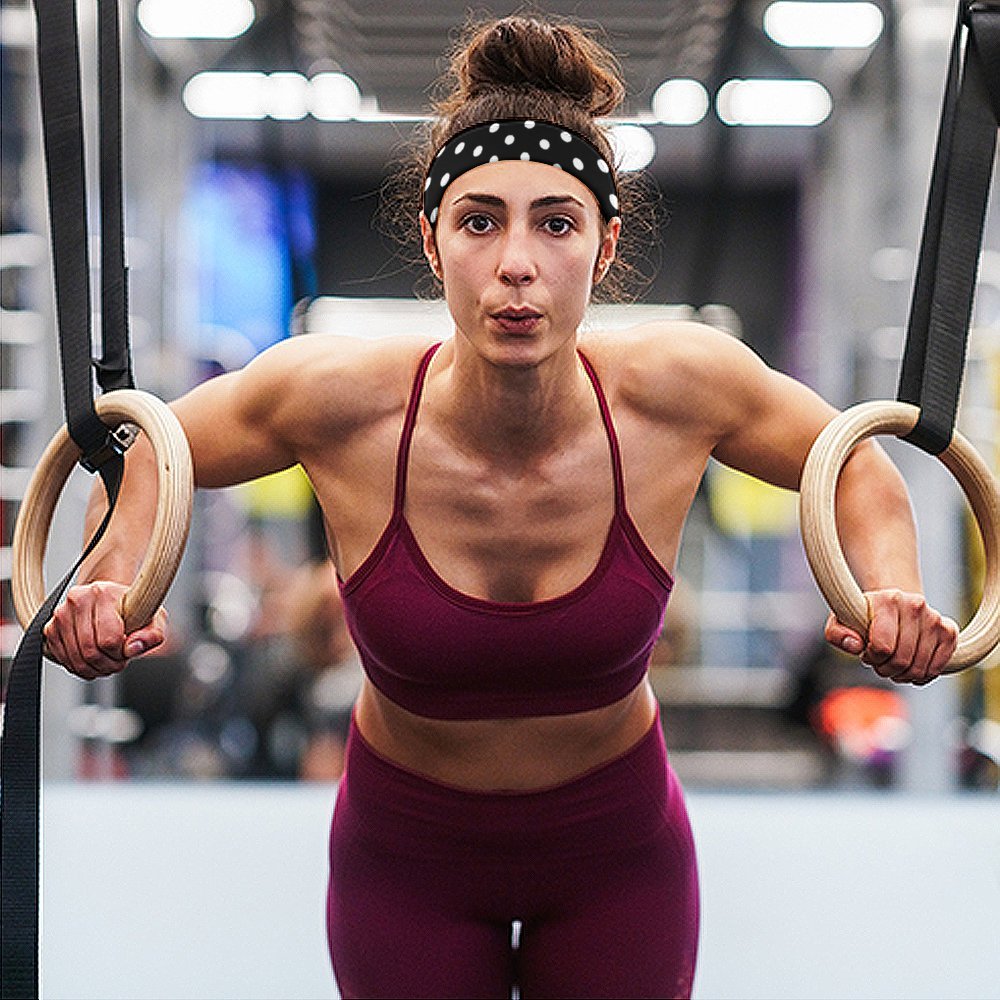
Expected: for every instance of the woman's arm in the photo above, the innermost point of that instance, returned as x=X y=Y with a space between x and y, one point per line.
x=239 y=426
x=907 y=640
x=764 y=423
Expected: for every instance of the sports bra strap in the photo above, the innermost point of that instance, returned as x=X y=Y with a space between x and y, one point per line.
x=403 y=455
x=609 y=426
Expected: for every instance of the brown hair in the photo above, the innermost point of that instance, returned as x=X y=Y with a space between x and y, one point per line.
x=528 y=67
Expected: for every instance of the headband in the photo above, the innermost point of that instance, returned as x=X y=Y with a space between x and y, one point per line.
x=520 y=139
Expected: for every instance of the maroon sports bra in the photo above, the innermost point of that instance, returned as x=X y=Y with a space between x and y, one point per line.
x=444 y=654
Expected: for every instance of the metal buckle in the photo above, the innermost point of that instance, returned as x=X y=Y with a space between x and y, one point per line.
x=115 y=444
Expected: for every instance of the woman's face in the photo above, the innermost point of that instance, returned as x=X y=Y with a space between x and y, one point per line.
x=519 y=247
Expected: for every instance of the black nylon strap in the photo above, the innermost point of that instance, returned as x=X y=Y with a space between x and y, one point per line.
x=944 y=287
x=62 y=130
x=114 y=369
x=20 y=780
x=62 y=119
x=62 y=126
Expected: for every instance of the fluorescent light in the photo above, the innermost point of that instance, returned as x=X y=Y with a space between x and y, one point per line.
x=227 y=95
x=288 y=96
x=824 y=25
x=634 y=147
x=680 y=101
x=195 y=18
x=334 y=97
x=773 y=102
x=284 y=96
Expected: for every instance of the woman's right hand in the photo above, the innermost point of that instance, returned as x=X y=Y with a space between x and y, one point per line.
x=87 y=633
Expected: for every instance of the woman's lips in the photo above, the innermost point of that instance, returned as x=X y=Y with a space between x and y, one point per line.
x=517 y=321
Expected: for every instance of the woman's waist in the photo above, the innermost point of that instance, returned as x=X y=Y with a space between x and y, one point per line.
x=510 y=754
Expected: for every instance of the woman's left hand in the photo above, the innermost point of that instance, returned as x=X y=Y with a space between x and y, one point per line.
x=908 y=641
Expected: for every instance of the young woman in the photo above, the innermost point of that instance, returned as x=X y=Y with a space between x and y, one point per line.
x=503 y=510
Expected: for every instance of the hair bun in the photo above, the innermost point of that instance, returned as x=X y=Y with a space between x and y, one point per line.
x=524 y=53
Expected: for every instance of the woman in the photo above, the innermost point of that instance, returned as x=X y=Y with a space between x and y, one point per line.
x=506 y=768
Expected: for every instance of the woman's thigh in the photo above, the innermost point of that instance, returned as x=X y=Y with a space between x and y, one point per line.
x=391 y=933
x=633 y=934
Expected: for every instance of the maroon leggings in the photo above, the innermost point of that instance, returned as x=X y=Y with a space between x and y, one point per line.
x=427 y=882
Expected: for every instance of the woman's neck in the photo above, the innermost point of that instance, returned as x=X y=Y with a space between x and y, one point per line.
x=512 y=412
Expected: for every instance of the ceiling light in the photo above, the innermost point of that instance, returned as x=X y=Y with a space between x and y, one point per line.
x=680 y=101
x=227 y=95
x=334 y=97
x=284 y=96
x=634 y=147
x=829 y=25
x=287 y=96
x=773 y=102
x=195 y=18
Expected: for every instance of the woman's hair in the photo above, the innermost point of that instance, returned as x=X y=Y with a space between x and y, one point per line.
x=527 y=67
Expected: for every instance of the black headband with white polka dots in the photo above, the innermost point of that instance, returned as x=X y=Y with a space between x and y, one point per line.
x=520 y=139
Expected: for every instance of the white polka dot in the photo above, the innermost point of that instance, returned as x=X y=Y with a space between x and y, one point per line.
x=544 y=143
x=494 y=158
x=459 y=148
x=602 y=166
x=613 y=198
x=427 y=183
x=577 y=162
x=445 y=179
x=495 y=127
x=558 y=166
x=477 y=151
x=525 y=156
x=529 y=124
x=434 y=215
x=509 y=140
x=565 y=136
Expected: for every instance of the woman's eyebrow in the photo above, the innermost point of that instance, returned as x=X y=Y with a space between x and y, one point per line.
x=481 y=199
x=496 y=202
x=556 y=199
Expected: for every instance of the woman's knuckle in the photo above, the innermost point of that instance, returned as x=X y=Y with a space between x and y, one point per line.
x=880 y=647
x=107 y=645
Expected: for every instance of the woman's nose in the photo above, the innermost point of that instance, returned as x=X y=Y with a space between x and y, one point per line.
x=515 y=266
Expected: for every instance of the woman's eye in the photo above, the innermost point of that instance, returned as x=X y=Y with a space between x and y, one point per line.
x=477 y=223
x=558 y=225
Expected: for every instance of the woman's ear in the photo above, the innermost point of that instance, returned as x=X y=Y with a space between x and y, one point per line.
x=609 y=247
x=430 y=247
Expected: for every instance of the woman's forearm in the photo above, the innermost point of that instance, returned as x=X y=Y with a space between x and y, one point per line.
x=875 y=522
x=119 y=553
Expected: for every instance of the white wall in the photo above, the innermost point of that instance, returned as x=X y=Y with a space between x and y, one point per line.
x=217 y=891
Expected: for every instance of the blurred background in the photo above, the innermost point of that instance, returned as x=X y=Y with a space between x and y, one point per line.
x=789 y=149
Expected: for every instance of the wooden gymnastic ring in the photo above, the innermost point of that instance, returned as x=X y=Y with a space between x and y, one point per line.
x=175 y=489
x=819 y=528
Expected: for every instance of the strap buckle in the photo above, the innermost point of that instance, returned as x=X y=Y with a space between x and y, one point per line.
x=117 y=442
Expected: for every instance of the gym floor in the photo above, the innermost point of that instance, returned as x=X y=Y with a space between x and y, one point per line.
x=168 y=891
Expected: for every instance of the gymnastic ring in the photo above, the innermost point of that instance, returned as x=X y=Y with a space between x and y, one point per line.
x=819 y=528
x=175 y=489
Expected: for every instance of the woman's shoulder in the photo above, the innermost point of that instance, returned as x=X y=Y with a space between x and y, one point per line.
x=666 y=366
x=347 y=380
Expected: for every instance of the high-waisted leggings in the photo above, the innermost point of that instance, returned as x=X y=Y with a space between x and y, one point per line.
x=597 y=875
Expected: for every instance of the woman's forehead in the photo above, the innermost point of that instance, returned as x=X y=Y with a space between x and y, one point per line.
x=519 y=182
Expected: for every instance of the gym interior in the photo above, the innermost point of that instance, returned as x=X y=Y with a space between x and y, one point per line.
x=848 y=829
